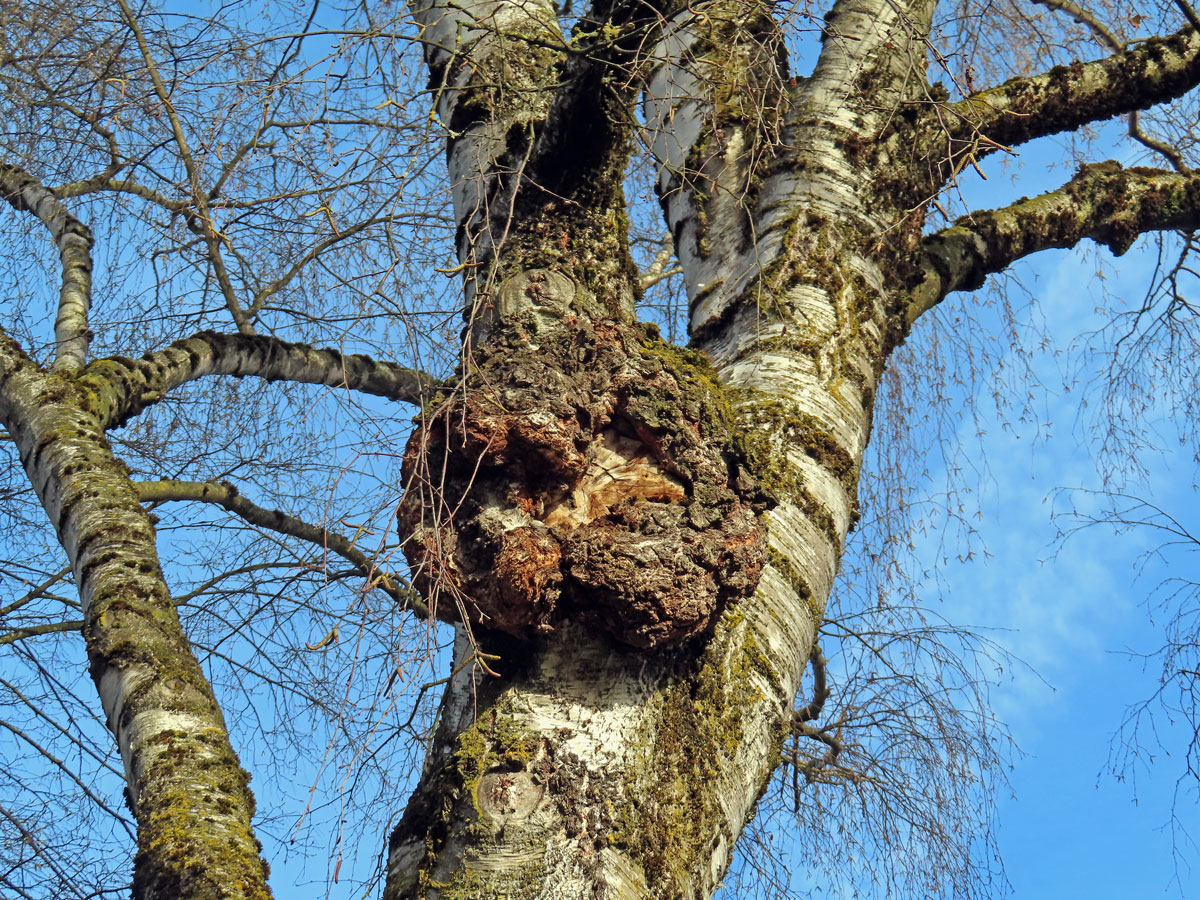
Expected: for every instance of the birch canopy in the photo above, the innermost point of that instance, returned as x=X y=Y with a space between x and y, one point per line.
x=455 y=416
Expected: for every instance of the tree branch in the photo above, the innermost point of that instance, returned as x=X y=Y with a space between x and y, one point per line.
x=278 y=284
x=125 y=387
x=34 y=593
x=1088 y=20
x=1189 y=13
x=212 y=237
x=660 y=269
x=824 y=770
x=103 y=182
x=715 y=102
x=591 y=114
x=490 y=119
x=1066 y=97
x=19 y=634
x=821 y=690
x=1107 y=37
x=888 y=36
x=67 y=771
x=227 y=497
x=1104 y=202
x=74 y=241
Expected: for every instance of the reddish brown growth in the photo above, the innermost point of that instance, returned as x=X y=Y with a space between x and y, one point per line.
x=589 y=477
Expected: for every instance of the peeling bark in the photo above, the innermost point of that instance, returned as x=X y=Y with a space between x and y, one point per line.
x=505 y=488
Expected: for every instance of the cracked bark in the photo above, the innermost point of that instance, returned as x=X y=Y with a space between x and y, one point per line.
x=798 y=243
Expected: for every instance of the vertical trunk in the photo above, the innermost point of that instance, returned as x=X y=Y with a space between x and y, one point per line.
x=603 y=525
x=626 y=720
x=184 y=784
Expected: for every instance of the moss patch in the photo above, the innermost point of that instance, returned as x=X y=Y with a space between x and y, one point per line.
x=674 y=814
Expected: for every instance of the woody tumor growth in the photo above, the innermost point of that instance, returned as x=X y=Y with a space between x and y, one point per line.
x=590 y=474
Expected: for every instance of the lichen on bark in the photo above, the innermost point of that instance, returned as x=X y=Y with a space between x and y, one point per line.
x=185 y=785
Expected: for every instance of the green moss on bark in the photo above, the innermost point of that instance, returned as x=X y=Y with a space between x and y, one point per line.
x=494 y=741
x=674 y=819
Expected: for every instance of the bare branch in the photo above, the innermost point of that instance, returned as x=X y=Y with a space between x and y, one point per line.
x=1087 y=19
x=103 y=182
x=660 y=269
x=1189 y=13
x=1109 y=39
x=227 y=497
x=283 y=280
x=1066 y=97
x=1173 y=156
x=821 y=691
x=825 y=769
x=34 y=593
x=68 y=772
x=20 y=634
x=128 y=386
x=212 y=237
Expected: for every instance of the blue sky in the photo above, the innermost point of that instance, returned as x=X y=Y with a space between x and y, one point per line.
x=1077 y=822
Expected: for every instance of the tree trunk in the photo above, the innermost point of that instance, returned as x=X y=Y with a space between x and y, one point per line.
x=645 y=539
x=185 y=785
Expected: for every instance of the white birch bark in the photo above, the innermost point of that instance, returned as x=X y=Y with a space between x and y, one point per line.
x=73 y=240
x=553 y=771
x=490 y=63
x=123 y=387
x=184 y=783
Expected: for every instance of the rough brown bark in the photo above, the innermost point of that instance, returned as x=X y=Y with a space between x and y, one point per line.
x=588 y=474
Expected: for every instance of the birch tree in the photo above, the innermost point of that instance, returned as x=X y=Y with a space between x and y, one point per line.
x=632 y=541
